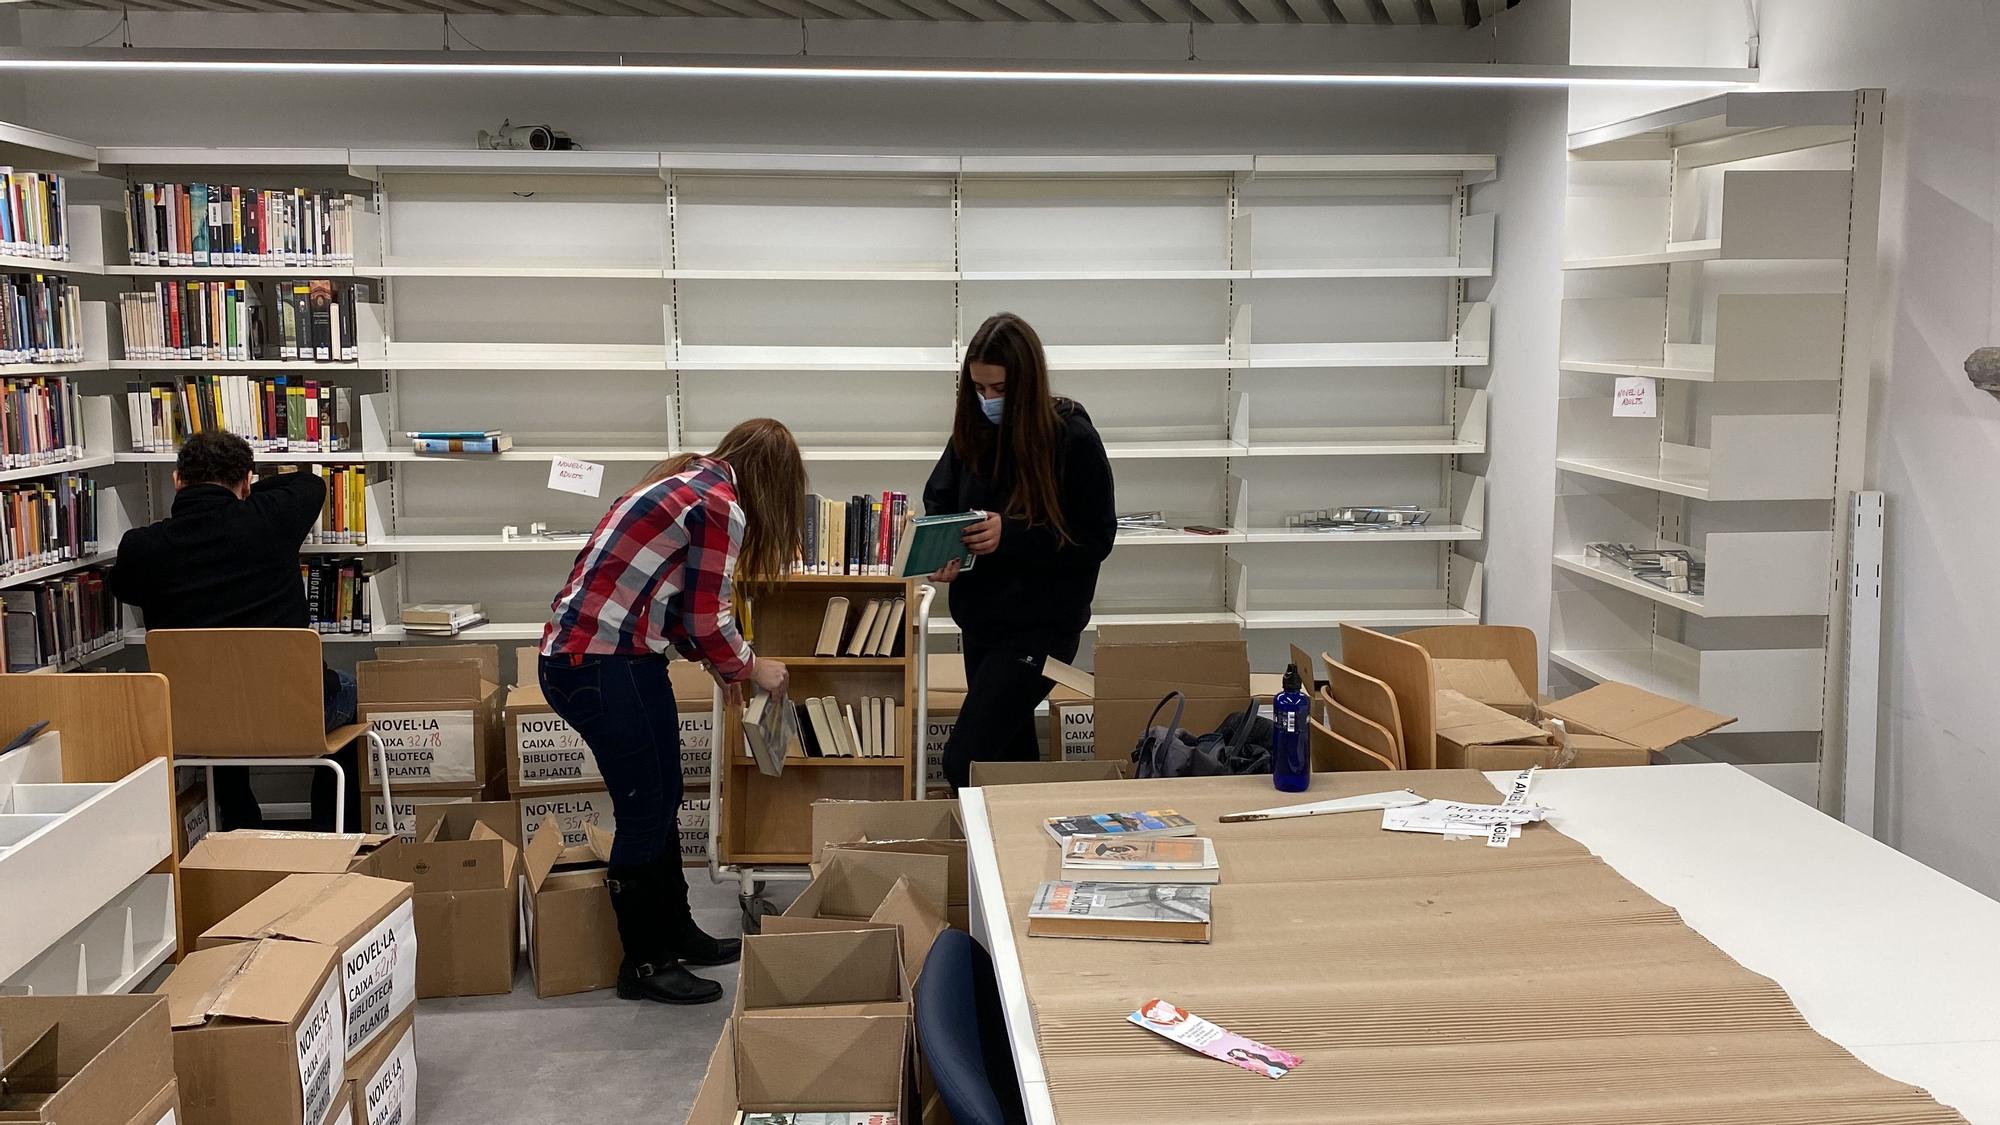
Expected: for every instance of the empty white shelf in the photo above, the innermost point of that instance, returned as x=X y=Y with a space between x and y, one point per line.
x=1702 y=250
x=408 y=356
x=159 y=155
x=944 y=626
x=1766 y=689
x=1421 y=354
x=1138 y=357
x=866 y=453
x=712 y=357
x=1641 y=472
x=1111 y=274
x=515 y=269
x=1173 y=537
x=1433 y=533
x=858 y=273
x=1388 y=447
x=1149 y=450
x=1693 y=372
x=1611 y=574
x=1372 y=618
x=1385 y=267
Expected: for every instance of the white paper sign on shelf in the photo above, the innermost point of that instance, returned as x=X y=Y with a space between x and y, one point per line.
x=1633 y=396
x=585 y=478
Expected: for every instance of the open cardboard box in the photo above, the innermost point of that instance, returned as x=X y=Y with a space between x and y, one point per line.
x=917 y=920
x=1137 y=665
x=258 y=1034
x=1633 y=717
x=798 y=1066
x=572 y=933
x=70 y=1059
x=842 y=822
x=369 y=926
x=1492 y=682
x=228 y=869
x=467 y=912
x=1473 y=735
x=851 y=885
x=823 y=973
x=437 y=709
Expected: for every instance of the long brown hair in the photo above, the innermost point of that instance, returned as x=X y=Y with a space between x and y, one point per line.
x=770 y=486
x=1023 y=447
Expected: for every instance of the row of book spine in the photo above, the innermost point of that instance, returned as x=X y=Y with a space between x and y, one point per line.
x=41 y=421
x=337 y=594
x=344 y=519
x=59 y=620
x=33 y=222
x=857 y=536
x=308 y=321
x=275 y=414
x=41 y=319
x=227 y=225
x=46 y=522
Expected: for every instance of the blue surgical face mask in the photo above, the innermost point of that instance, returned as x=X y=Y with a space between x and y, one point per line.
x=992 y=407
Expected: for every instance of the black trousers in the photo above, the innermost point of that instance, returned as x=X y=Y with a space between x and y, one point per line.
x=1003 y=685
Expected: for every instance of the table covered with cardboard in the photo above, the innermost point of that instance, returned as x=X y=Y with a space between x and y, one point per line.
x=1422 y=980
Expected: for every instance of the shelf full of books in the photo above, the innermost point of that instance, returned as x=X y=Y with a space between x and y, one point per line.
x=59 y=623
x=172 y=226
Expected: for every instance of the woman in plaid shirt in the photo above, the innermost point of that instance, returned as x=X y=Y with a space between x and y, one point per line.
x=657 y=574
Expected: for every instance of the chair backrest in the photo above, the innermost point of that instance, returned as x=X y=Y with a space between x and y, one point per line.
x=1334 y=754
x=1365 y=733
x=963 y=1033
x=243 y=693
x=1406 y=668
x=1370 y=699
x=1513 y=643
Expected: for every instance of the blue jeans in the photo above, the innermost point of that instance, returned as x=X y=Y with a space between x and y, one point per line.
x=341 y=704
x=623 y=708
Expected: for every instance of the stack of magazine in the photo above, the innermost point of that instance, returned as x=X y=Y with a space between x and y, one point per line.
x=442 y=619
x=1128 y=876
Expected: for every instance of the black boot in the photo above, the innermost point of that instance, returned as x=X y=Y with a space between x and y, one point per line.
x=649 y=971
x=686 y=940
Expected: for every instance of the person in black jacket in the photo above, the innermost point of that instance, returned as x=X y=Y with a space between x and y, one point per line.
x=228 y=558
x=1035 y=464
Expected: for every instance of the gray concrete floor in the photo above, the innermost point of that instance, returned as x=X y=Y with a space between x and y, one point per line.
x=499 y=1060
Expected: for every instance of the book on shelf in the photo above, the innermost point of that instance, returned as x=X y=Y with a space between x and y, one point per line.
x=343 y=519
x=34 y=222
x=825 y=739
x=46 y=522
x=197 y=224
x=310 y=321
x=41 y=319
x=41 y=421
x=337 y=594
x=274 y=413
x=1154 y=859
x=827 y=728
x=929 y=543
x=60 y=620
x=1121 y=911
x=857 y=642
x=771 y=729
x=832 y=625
x=1130 y=825
x=460 y=441
x=859 y=536
x=443 y=614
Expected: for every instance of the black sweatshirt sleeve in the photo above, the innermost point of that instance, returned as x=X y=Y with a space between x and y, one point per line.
x=941 y=491
x=135 y=572
x=290 y=501
x=1089 y=507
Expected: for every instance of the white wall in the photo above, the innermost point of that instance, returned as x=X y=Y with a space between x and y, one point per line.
x=1934 y=445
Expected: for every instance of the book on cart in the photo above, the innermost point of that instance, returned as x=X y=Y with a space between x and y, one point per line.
x=771 y=727
x=1153 y=859
x=929 y=543
x=1121 y=911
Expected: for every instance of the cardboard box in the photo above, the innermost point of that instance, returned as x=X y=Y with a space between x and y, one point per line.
x=1492 y=682
x=1137 y=665
x=258 y=1034
x=1634 y=717
x=228 y=869
x=917 y=921
x=1043 y=773
x=463 y=875
x=438 y=712
x=382 y=1082
x=572 y=933
x=191 y=821
x=503 y=817
x=832 y=972
x=800 y=1065
x=405 y=827
x=842 y=822
x=370 y=926
x=570 y=814
x=165 y=1109
x=1072 y=728
x=852 y=884
x=1470 y=732
x=67 y=1059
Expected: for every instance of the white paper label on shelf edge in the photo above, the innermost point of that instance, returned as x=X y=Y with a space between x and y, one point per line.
x=378 y=975
x=317 y=1043
x=1632 y=396
x=585 y=478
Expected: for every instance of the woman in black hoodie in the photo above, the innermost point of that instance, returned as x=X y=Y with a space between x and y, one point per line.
x=1036 y=465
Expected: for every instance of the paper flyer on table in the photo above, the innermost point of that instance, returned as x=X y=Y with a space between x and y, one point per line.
x=1197 y=1034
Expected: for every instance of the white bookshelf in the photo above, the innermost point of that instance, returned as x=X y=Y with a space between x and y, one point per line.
x=1288 y=328
x=1714 y=250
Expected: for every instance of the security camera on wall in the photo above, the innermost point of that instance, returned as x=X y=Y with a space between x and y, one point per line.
x=537 y=138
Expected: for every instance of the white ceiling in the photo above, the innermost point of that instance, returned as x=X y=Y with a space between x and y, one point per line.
x=1448 y=13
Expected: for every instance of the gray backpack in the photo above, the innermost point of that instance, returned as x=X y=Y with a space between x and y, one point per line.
x=1241 y=745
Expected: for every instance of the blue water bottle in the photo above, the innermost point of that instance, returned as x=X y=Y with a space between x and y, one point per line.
x=1291 y=757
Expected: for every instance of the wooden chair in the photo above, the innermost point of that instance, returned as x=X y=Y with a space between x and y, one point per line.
x=1513 y=643
x=255 y=697
x=1334 y=754
x=1365 y=733
x=1369 y=700
x=1406 y=668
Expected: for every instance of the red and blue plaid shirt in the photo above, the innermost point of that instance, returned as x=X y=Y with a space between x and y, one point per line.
x=657 y=572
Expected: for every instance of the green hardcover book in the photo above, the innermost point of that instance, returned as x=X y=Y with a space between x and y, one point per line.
x=929 y=542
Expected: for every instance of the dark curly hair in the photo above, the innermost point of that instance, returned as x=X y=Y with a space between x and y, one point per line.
x=214 y=457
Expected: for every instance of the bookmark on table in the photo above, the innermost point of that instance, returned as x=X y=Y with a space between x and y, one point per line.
x=1197 y=1034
